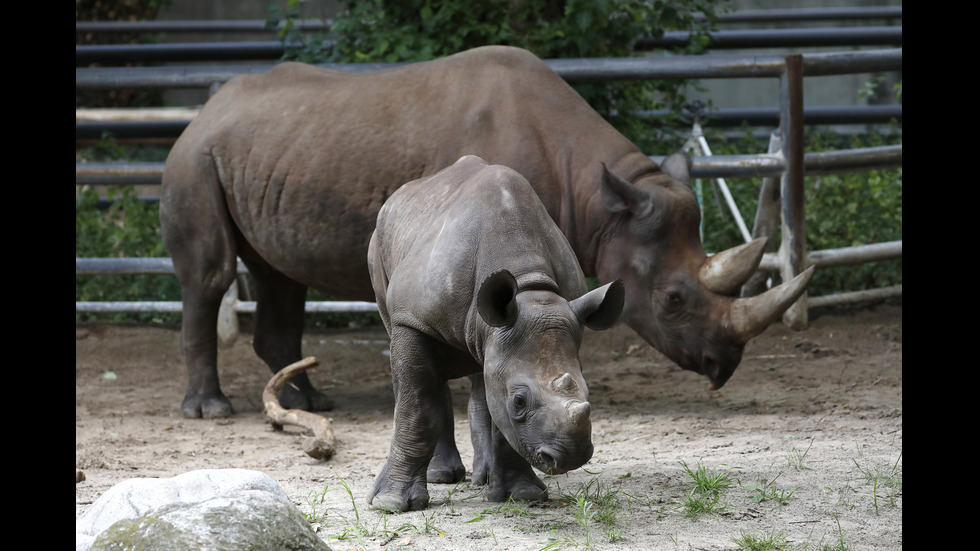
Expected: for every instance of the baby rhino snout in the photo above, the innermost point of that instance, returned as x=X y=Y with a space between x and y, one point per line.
x=576 y=449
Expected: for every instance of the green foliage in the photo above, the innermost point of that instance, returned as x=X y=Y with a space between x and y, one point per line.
x=128 y=227
x=707 y=490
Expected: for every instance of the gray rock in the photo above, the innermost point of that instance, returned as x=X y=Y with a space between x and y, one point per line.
x=234 y=509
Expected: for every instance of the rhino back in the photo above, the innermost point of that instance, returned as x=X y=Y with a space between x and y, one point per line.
x=306 y=156
x=439 y=237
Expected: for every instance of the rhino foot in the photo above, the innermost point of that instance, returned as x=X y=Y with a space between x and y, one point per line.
x=197 y=406
x=415 y=497
x=395 y=503
x=519 y=488
x=306 y=400
x=445 y=471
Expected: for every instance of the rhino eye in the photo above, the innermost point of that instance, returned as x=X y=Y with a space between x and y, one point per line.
x=520 y=406
x=674 y=298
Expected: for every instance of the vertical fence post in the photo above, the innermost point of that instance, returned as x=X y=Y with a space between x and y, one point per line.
x=766 y=219
x=792 y=250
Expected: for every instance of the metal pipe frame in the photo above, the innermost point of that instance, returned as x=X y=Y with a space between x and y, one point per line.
x=791 y=162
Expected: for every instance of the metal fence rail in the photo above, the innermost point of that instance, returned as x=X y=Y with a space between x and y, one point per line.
x=787 y=163
x=796 y=15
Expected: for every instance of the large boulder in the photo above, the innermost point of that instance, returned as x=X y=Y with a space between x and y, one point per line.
x=219 y=509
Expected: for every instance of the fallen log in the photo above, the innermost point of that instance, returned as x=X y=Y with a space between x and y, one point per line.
x=322 y=444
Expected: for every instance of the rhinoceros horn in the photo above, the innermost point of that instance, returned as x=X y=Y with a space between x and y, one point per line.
x=726 y=271
x=579 y=411
x=749 y=317
x=565 y=383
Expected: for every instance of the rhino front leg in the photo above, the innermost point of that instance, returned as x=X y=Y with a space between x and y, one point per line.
x=446 y=466
x=279 y=310
x=510 y=475
x=481 y=431
x=419 y=417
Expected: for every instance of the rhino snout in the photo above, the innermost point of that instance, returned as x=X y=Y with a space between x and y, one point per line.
x=555 y=461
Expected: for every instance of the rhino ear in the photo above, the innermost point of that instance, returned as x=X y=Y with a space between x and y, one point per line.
x=678 y=167
x=495 y=300
x=600 y=309
x=619 y=195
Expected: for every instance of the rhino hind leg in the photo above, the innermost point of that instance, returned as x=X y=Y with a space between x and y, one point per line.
x=199 y=236
x=199 y=337
x=279 y=311
x=446 y=466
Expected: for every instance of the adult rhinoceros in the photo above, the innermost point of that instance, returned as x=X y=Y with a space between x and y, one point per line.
x=288 y=170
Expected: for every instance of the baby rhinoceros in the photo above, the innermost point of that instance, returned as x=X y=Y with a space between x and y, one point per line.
x=473 y=278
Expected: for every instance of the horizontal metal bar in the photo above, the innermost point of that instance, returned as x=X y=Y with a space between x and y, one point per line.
x=716 y=166
x=572 y=70
x=781 y=38
x=131 y=266
x=762 y=116
x=275 y=49
x=770 y=261
x=845 y=256
x=854 y=297
x=261 y=25
x=241 y=307
x=808 y=14
x=193 y=26
x=851 y=160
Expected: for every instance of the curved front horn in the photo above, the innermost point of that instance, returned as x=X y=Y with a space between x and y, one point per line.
x=579 y=412
x=726 y=271
x=749 y=317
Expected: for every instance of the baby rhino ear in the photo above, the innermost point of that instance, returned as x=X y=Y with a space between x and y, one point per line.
x=600 y=309
x=495 y=299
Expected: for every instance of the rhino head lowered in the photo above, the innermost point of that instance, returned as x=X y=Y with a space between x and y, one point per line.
x=472 y=277
x=288 y=170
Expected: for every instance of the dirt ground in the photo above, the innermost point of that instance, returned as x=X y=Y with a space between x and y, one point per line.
x=808 y=431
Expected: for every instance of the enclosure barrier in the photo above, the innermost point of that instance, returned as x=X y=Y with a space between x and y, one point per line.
x=784 y=165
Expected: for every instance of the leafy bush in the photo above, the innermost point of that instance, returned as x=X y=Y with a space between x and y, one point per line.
x=127 y=227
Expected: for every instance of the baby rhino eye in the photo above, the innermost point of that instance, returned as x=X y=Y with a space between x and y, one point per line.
x=519 y=402
x=520 y=406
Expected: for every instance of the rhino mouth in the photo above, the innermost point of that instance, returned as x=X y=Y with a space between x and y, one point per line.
x=552 y=462
x=718 y=372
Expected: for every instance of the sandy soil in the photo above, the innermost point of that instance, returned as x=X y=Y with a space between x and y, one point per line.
x=814 y=415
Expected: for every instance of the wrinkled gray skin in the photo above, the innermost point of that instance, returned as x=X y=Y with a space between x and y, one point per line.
x=472 y=277
x=288 y=170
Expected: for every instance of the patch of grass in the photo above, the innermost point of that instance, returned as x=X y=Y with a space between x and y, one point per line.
x=509 y=508
x=595 y=506
x=766 y=490
x=772 y=541
x=839 y=545
x=797 y=458
x=707 y=481
x=705 y=497
x=357 y=528
x=885 y=480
